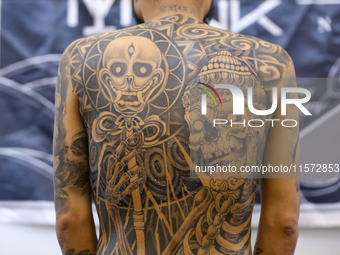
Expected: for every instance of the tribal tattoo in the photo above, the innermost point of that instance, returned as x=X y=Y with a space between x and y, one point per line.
x=140 y=104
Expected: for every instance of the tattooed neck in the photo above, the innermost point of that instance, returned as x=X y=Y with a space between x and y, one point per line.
x=183 y=9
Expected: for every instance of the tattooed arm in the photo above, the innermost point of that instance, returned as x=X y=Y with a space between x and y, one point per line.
x=73 y=201
x=278 y=228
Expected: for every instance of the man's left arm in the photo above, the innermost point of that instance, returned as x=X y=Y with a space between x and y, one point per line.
x=72 y=189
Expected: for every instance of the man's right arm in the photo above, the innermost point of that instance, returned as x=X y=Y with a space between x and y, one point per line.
x=278 y=227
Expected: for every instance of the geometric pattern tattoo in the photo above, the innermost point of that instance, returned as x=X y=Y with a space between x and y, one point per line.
x=136 y=89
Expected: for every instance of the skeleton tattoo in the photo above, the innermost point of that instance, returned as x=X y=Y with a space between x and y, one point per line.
x=141 y=106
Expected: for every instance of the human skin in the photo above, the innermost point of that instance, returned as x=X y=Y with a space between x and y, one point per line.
x=127 y=103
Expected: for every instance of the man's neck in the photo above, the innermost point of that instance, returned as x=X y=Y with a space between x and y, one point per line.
x=164 y=10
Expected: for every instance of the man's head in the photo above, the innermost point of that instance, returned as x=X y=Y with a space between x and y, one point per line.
x=144 y=10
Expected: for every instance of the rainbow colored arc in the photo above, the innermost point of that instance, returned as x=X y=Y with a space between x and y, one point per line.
x=209 y=93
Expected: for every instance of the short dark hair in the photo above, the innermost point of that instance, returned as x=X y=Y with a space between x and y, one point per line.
x=138 y=20
x=210 y=14
x=206 y=19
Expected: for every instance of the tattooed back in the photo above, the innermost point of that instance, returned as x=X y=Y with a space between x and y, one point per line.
x=139 y=93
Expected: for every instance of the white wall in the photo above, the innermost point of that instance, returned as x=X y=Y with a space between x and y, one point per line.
x=41 y=240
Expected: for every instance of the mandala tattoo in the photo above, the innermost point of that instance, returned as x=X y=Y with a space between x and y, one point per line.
x=139 y=102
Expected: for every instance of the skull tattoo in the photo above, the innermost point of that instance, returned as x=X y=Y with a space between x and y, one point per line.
x=224 y=144
x=131 y=73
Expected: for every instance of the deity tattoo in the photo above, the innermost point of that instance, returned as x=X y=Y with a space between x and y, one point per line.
x=140 y=103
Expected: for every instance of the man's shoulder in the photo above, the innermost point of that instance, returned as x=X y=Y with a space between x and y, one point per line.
x=267 y=61
x=84 y=43
x=263 y=49
x=264 y=56
x=270 y=60
x=267 y=50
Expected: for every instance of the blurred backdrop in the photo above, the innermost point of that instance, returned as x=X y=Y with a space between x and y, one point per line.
x=34 y=33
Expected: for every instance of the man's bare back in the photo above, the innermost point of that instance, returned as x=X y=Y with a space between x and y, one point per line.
x=139 y=101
